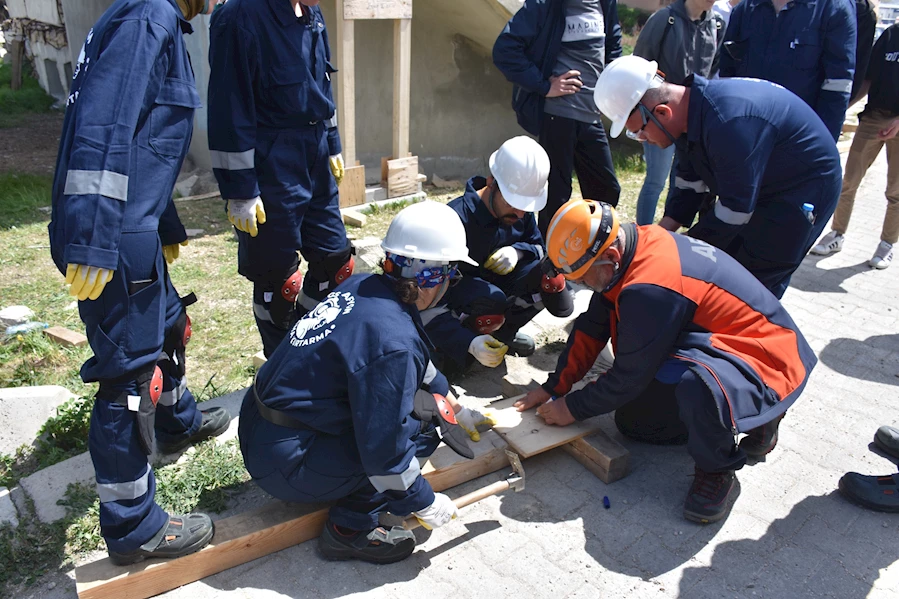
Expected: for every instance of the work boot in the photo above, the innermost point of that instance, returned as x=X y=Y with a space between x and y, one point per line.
x=215 y=422
x=761 y=440
x=878 y=493
x=378 y=546
x=521 y=345
x=887 y=439
x=180 y=536
x=829 y=244
x=710 y=495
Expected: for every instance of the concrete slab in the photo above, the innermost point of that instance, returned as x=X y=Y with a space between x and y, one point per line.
x=24 y=410
x=49 y=485
x=13 y=315
x=8 y=513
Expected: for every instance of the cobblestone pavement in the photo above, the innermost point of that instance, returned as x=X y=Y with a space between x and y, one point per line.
x=790 y=534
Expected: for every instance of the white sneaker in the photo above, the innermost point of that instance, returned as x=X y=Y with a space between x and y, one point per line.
x=882 y=257
x=829 y=244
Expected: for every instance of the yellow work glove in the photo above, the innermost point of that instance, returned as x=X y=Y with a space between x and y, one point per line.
x=171 y=252
x=244 y=214
x=502 y=261
x=487 y=350
x=336 y=163
x=87 y=282
x=472 y=421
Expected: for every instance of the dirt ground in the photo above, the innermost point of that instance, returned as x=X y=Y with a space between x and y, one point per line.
x=31 y=147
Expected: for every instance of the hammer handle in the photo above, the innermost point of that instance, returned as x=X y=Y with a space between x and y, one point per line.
x=473 y=497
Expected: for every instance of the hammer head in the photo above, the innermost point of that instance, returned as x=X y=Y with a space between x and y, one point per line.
x=516 y=479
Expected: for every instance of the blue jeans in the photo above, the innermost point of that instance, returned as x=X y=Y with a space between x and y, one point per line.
x=658 y=168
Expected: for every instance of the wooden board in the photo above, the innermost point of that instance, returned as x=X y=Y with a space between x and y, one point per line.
x=352 y=187
x=402 y=176
x=353 y=218
x=402 y=84
x=602 y=456
x=263 y=531
x=259 y=359
x=346 y=86
x=527 y=434
x=65 y=337
x=377 y=9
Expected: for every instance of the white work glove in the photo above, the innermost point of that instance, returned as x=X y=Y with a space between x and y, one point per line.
x=487 y=350
x=472 y=420
x=438 y=513
x=87 y=282
x=502 y=261
x=337 y=169
x=244 y=214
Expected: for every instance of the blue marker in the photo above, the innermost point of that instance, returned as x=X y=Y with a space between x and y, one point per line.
x=605 y=502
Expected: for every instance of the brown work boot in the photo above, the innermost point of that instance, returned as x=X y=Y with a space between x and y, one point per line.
x=761 y=440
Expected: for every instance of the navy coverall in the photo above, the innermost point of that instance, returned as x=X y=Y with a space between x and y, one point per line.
x=347 y=371
x=683 y=317
x=809 y=48
x=272 y=128
x=481 y=291
x=127 y=129
x=764 y=153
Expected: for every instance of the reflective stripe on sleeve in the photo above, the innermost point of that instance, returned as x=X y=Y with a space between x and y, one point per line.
x=233 y=161
x=105 y=183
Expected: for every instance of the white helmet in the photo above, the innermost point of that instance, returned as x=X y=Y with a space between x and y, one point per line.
x=428 y=231
x=620 y=87
x=521 y=168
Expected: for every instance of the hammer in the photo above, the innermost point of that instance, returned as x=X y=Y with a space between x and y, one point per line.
x=514 y=481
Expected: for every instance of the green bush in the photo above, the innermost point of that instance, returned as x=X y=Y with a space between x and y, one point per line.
x=29 y=98
x=631 y=19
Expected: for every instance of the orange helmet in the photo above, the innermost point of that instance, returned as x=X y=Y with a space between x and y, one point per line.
x=580 y=231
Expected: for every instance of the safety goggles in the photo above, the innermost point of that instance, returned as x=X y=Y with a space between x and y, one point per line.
x=646 y=116
x=425 y=275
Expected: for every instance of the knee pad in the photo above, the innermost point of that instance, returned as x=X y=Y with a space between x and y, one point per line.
x=282 y=307
x=333 y=269
x=149 y=388
x=554 y=291
x=176 y=341
x=486 y=316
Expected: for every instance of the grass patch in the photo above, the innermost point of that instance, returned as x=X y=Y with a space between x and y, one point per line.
x=30 y=98
x=20 y=197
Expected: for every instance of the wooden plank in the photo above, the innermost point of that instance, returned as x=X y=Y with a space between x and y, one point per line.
x=352 y=188
x=259 y=359
x=402 y=82
x=346 y=87
x=64 y=336
x=527 y=434
x=377 y=9
x=602 y=456
x=402 y=176
x=384 y=161
x=272 y=527
x=352 y=218
x=17 y=57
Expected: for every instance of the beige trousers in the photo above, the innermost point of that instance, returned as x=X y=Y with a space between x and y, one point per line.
x=865 y=148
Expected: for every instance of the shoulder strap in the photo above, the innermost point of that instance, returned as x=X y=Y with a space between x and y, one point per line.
x=667 y=28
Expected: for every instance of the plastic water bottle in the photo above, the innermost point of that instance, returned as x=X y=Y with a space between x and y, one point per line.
x=809 y=211
x=25 y=327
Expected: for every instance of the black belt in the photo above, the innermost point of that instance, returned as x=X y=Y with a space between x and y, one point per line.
x=277 y=416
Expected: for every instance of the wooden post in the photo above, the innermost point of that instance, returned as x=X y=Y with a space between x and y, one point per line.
x=402 y=91
x=17 y=53
x=346 y=90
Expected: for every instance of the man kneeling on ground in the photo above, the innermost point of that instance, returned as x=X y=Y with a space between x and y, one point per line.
x=349 y=399
x=703 y=351
x=482 y=313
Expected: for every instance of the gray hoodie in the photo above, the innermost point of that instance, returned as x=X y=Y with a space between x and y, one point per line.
x=688 y=47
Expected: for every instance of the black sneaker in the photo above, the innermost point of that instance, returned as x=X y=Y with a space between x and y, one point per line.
x=181 y=535
x=215 y=422
x=378 y=546
x=710 y=496
x=887 y=439
x=522 y=345
x=879 y=493
x=761 y=440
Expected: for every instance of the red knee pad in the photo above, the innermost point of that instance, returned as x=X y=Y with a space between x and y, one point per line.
x=554 y=284
x=291 y=287
x=345 y=271
x=487 y=323
x=155 y=388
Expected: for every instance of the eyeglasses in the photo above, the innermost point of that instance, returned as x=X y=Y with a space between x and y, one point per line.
x=646 y=115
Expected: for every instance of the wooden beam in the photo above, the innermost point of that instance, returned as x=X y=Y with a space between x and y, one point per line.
x=352 y=188
x=346 y=88
x=402 y=176
x=353 y=218
x=270 y=528
x=402 y=90
x=602 y=456
x=66 y=337
x=17 y=58
x=527 y=434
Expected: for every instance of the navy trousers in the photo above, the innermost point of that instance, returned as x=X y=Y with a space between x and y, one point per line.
x=302 y=215
x=126 y=327
x=309 y=467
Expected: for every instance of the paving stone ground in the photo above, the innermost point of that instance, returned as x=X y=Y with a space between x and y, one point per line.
x=790 y=534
